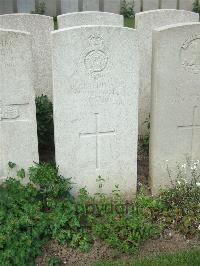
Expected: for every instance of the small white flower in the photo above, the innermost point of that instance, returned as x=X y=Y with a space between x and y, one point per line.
x=198 y=185
x=178 y=182
x=199 y=227
x=183 y=166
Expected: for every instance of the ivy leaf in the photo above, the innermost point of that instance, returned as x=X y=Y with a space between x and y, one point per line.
x=21 y=173
x=11 y=165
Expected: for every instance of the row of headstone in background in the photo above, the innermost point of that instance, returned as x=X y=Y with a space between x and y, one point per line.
x=164 y=4
x=57 y=7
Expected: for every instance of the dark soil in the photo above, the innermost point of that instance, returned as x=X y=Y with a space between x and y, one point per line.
x=143 y=170
x=47 y=153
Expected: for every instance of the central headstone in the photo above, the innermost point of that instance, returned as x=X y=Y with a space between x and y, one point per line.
x=18 y=130
x=95 y=75
x=89 y=18
x=145 y=23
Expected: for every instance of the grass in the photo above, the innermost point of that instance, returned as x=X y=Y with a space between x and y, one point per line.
x=129 y=22
x=183 y=258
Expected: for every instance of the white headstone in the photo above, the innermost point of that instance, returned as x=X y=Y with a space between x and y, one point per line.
x=145 y=23
x=90 y=5
x=40 y=28
x=18 y=130
x=95 y=75
x=175 y=116
x=186 y=4
x=6 y=6
x=169 y=4
x=68 y=6
x=112 y=6
x=24 y=6
x=89 y=18
x=150 y=4
x=137 y=5
x=50 y=7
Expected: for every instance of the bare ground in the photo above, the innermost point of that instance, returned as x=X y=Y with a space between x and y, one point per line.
x=169 y=242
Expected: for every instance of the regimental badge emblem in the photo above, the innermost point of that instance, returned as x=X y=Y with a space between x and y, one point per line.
x=95 y=57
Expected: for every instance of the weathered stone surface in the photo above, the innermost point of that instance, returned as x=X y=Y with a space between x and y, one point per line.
x=40 y=28
x=90 y=5
x=50 y=7
x=112 y=6
x=24 y=6
x=145 y=22
x=18 y=130
x=175 y=116
x=137 y=5
x=186 y=4
x=89 y=18
x=95 y=76
x=68 y=6
x=6 y=6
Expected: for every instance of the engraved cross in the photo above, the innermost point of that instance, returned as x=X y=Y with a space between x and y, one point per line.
x=97 y=134
x=193 y=127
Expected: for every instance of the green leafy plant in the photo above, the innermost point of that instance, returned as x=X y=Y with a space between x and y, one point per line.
x=44 y=209
x=44 y=114
x=121 y=225
x=196 y=6
x=11 y=165
x=181 y=202
x=40 y=8
x=55 y=20
x=34 y=213
x=127 y=10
